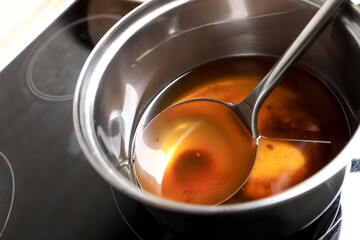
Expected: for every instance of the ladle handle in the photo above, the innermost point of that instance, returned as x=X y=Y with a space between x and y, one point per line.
x=249 y=108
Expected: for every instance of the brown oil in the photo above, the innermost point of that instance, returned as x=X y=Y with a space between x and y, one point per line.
x=302 y=125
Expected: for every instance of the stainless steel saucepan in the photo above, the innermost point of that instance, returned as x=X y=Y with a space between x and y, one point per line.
x=159 y=40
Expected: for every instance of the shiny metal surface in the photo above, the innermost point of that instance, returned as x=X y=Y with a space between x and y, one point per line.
x=162 y=39
x=249 y=108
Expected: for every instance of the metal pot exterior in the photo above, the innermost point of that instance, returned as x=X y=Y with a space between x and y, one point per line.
x=274 y=222
x=162 y=39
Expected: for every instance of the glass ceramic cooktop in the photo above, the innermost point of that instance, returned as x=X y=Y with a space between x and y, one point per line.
x=48 y=190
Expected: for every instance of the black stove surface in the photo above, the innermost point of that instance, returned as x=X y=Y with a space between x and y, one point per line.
x=48 y=190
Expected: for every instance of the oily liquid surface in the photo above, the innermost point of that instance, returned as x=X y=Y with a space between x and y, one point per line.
x=302 y=125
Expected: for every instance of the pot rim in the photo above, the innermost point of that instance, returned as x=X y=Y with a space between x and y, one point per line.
x=83 y=105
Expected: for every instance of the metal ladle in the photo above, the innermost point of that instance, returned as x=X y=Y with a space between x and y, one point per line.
x=247 y=111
